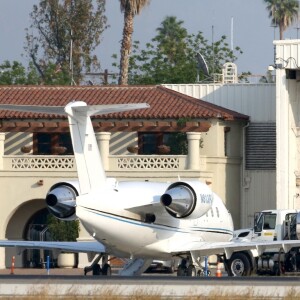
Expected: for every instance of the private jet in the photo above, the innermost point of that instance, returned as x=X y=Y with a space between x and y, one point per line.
x=142 y=221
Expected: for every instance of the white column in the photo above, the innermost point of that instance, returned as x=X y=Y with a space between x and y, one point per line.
x=193 y=159
x=2 y=139
x=282 y=140
x=103 y=144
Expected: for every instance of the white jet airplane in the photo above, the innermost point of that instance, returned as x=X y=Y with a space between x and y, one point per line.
x=143 y=220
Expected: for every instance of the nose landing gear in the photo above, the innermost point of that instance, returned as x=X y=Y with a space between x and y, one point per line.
x=96 y=268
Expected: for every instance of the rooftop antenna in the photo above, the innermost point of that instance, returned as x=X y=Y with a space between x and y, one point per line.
x=297 y=28
x=201 y=66
x=71 y=60
x=213 y=49
x=231 y=33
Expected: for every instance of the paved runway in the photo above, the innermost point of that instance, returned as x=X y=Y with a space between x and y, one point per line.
x=66 y=282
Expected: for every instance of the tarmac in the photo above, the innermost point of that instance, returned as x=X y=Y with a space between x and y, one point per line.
x=41 y=271
x=70 y=283
x=80 y=272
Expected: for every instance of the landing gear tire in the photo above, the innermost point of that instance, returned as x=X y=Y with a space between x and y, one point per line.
x=181 y=271
x=239 y=265
x=97 y=270
x=106 y=270
x=191 y=271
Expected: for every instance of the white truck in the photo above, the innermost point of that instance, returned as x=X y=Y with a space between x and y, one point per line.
x=268 y=225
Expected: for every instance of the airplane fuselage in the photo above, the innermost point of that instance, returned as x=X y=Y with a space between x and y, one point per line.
x=126 y=234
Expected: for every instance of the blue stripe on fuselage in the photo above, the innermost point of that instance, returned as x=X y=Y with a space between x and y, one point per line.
x=157 y=226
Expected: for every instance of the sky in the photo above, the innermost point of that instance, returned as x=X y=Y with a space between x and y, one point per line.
x=245 y=23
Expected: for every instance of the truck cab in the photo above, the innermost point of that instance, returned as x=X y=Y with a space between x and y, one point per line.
x=272 y=225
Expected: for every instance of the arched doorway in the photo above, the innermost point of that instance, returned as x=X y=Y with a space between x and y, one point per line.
x=17 y=227
x=36 y=230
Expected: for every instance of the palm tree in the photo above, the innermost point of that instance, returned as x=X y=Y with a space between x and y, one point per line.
x=171 y=38
x=130 y=8
x=283 y=13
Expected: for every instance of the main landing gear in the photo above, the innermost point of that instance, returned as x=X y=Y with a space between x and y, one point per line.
x=97 y=269
x=192 y=268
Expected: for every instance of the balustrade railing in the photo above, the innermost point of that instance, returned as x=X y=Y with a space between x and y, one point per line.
x=148 y=162
x=39 y=162
x=116 y=162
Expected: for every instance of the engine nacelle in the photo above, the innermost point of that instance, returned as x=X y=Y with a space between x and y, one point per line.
x=61 y=200
x=187 y=200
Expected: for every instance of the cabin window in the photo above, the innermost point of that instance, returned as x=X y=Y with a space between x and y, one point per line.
x=52 y=144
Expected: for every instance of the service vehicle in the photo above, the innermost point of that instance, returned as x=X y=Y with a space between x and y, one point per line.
x=269 y=225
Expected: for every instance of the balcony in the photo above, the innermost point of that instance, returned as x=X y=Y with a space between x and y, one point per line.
x=123 y=167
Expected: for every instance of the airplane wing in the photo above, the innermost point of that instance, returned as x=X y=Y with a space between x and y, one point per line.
x=86 y=247
x=210 y=248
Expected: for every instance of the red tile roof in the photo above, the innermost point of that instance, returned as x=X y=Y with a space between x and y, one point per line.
x=164 y=103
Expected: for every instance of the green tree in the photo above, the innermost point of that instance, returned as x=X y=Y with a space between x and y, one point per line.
x=283 y=13
x=171 y=39
x=62 y=37
x=59 y=230
x=171 y=56
x=130 y=8
x=14 y=73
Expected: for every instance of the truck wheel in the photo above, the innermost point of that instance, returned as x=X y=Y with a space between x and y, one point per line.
x=106 y=270
x=239 y=265
x=97 y=270
x=191 y=271
x=182 y=268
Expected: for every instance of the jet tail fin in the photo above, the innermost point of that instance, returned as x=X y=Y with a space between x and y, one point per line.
x=90 y=170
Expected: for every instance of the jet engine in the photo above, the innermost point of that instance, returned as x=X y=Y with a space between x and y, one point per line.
x=61 y=200
x=187 y=200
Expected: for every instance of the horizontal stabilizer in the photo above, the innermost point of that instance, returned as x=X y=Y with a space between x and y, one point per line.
x=57 y=110
x=108 y=109
x=88 y=110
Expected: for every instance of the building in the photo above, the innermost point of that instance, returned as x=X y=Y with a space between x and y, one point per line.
x=35 y=150
x=271 y=165
x=258 y=101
